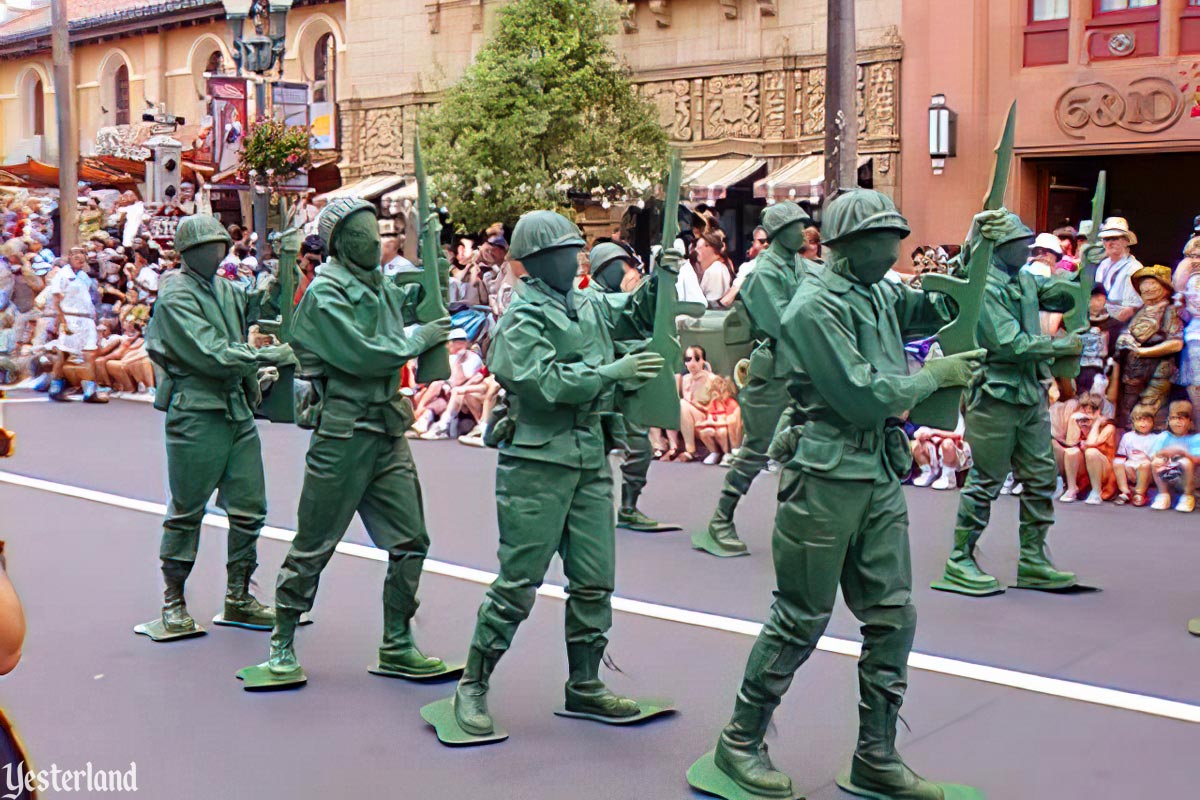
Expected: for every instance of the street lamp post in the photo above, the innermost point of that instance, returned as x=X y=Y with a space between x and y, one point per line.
x=258 y=53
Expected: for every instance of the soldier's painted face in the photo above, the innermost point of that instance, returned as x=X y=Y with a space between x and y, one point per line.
x=556 y=268
x=1013 y=255
x=204 y=259
x=357 y=241
x=611 y=274
x=871 y=254
x=791 y=237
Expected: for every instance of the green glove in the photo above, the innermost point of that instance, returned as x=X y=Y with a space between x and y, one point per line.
x=633 y=370
x=955 y=370
x=278 y=354
x=1069 y=345
x=670 y=259
x=430 y=334
x=1092 y=253
x=991 y=224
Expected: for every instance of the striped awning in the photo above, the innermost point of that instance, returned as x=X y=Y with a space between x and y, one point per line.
x=369 y=188
x=802 y=179
x=707 y=181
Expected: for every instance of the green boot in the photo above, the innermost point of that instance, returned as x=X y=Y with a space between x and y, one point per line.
x=241 y=607
x=399 y=652
x=283 y=643
x=721 y=528
x=635 y=520
x=585 y=692
x=175 y=616
x=1034 y=570
x=877 y=769
x=470 y=698
x=741 y=752
x=962 y=570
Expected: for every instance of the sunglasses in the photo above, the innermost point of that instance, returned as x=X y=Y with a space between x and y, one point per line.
x=760 y=241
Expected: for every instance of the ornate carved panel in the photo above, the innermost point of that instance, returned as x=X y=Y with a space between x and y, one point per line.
x=810 y=102
x=881 y=100
x=732 y=107
x=381 y=140
x=774 y=100
x=628 y=14
x=674 y=103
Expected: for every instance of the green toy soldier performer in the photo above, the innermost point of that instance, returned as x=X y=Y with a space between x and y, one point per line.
x=610 y=266
x=208 y=386
x=842 y=517
x=349 y=335
x=764 y=296
x=1007 y=418
x=554 y=353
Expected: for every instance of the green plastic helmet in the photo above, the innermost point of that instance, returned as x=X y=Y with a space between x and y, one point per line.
x=778 y=216
x=200 y=229
x=537 y=231
x=858 y=211
x=605 y=253
x=338 y=211
x=1014 y=229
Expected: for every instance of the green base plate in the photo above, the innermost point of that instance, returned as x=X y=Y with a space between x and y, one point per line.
x=260 y=679
x=953 y=791
x=1070 y=588
x=660 y=527
x=441 y=716
x=703 y=541
x=158 y=632
x=647 y=710
x=219 y=619
x=947 y=586
x=705 y=776
x=1194 y=627
x=448 y=672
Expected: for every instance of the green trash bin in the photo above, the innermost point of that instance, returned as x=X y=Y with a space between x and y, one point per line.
x=724 y=335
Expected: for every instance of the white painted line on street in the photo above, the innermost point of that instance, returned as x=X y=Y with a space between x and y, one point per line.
x=1040 y=684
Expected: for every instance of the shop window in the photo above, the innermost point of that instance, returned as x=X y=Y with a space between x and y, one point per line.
x=1189 y=28
x=1122 y=29
x=1047 y=36
x=121 y=95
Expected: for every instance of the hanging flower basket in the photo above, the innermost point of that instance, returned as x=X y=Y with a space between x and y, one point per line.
x=275 y=151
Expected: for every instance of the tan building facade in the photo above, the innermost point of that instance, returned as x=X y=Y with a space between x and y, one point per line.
x=1100 y=84
x=129 y=57
x=736 y=82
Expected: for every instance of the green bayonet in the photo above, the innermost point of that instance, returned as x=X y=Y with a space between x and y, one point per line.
x=940 y=411
x=1076 y=320
x=656 y=404
x=433 y=364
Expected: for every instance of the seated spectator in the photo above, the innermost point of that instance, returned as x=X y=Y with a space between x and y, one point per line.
x=721 y=428
x=1171 y=460
x=469 y=308
x=694 y=396
x=466 y=370
x=129 y=367
x=1067 y=240
x=1096 y=340
x=940 y=456
x=1146 y=350
x=1133 y=458
x=1088 y=457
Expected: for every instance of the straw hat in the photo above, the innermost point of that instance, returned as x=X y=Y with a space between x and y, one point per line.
x=1116 y=228
x=1158 y=272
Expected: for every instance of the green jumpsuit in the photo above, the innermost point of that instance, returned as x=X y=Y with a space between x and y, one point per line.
x=208 y=387
x=1008 y=426
x=763 y=399
x=349 y=329
x=554 y=490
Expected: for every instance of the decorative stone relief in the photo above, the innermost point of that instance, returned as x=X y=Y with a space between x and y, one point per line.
x=732 y=107
x=881 y=99
x=381 y=140
x=628 y=14
x=766 y=8
x=730 y=8
x=674 y=103
x=810 y=110
x=774 y=105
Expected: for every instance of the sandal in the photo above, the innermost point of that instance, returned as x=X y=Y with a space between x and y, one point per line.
x=684 y=457
x=1122 y=499
x=669 y=455
x=1139 y=500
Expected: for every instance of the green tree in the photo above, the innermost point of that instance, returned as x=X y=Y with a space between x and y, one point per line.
x=545 y=107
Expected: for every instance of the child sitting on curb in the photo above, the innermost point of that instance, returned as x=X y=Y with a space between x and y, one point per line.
x=1133 y=458
x=1172 y=462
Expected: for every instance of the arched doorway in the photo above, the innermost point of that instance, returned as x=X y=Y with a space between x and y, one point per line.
x=121 y=95
x=325 y=70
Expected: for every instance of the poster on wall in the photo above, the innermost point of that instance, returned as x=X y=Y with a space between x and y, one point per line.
x=227 y=129
x=324 y=126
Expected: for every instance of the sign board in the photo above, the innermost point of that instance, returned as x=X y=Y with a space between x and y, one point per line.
x=324 y=126
x=228 y=110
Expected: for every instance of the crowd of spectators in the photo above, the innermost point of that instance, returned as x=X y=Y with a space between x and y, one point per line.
x=1125 y=429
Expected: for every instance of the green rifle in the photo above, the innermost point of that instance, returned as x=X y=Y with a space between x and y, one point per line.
x=1076 y=320
x=434 y=363
x=940 y=411
x=289 y=251
x=656 y=403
